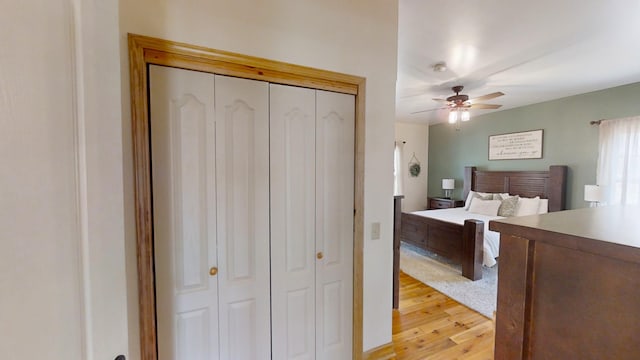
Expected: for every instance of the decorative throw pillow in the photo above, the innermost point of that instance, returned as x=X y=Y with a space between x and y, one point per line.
x=508 y=206
x=484 y=207
x=528 y=206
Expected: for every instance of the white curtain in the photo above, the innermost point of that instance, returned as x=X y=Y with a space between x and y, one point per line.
x=619 y=160
x=398 y=169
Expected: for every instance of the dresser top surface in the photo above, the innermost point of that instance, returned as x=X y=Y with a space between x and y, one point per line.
x=610 y=224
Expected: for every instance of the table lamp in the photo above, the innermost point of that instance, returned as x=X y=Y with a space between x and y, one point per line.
x=592 y=194
x=448 y=185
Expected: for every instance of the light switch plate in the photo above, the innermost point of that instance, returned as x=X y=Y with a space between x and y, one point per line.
x=375 y=231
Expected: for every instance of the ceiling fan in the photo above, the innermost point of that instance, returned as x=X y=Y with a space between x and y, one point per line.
x=462 y=102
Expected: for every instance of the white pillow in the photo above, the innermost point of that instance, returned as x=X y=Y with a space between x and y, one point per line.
x=543 y=208
x=484 y=207
x=527 y=206
x=467 y=202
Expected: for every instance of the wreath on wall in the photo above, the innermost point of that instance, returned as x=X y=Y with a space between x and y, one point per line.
x=414 y=166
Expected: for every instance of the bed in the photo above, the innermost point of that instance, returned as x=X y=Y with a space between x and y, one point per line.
x=463 y=240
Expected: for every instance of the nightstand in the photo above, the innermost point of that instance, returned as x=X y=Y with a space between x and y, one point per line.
x=442 y=203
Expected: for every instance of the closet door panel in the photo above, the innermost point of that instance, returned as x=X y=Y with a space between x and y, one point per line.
x=183 y=145
x=335 y=119
x=242 y=196
x=292 y=153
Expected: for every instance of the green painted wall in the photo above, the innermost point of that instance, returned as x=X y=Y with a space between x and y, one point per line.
x=568 y=138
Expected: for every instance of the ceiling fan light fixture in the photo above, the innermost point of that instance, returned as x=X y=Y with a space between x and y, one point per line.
x=457 y=115
x=453 y=116
x=459 y=105
x=465 y=115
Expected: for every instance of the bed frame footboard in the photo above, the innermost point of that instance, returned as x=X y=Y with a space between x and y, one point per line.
x=472 y=249
x=461 y=244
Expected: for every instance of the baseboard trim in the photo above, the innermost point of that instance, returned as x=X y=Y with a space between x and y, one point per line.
x=382 y=352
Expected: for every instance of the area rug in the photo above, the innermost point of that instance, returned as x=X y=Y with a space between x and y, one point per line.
x=445 y=277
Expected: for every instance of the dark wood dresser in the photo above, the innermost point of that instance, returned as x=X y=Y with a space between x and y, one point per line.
x=569 y=285
x=397 y=220
x=443 y=203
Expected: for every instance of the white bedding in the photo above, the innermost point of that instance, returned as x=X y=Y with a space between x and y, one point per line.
x=458 y=216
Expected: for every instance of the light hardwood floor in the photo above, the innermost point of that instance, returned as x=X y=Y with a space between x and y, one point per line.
x=429 y=325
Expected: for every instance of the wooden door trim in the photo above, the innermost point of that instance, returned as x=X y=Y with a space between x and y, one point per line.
x=144 y=51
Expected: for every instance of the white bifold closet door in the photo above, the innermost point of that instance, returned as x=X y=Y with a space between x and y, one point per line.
x=312 y=162
x=335 y=150
x=253 y=218
x=210 y=177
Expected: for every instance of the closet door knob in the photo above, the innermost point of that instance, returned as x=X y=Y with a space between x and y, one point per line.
x=320 y=255
x=213 y=271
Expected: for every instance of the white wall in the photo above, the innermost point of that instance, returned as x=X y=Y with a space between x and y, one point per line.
x=62 y=276
x=356 y=37
x=416 y=138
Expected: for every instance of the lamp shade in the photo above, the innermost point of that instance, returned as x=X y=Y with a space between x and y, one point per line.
x=592 y=193
x=448 y=184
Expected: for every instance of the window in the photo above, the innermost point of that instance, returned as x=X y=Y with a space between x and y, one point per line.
x=619 y=160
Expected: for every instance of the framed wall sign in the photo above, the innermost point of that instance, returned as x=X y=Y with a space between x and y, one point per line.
x=520 y=145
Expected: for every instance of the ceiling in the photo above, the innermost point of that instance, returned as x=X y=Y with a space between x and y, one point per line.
x=533 y=51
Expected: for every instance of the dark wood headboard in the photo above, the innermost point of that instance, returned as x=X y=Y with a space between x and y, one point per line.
x=549 y=184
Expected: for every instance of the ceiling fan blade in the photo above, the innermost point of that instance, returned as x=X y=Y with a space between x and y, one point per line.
x=423 y=111
x=485 y=106
x=434 y=99
x=487 y=97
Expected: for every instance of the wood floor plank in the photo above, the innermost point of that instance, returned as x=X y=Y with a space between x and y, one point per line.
x=430 y=325
x=472 y=333
x=446 y=325
x=465 y=349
